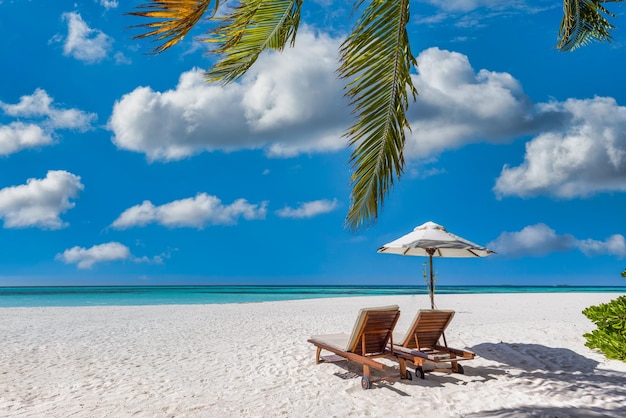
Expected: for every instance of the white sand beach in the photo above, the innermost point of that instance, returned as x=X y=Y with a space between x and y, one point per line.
x=241 y=360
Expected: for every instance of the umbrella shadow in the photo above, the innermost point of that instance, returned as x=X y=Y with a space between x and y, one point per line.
x=550 y=412
x=560 y=368
x=531 y=357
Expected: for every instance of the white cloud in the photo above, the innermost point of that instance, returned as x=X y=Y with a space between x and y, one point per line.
x=540 y=240
x=457 y=106
x=586 y=156
x=579 y=148
x=43 y=117
x=109 y=4
x=84 y=43
x=85 y=258
x=18 y=136
x=614 y=245
x=292 y=103
x=288 y=103
x=535 y=240
x=308 y=209
x=121 y=59
x=40 y=202
x=197 y=212
x=40 y=105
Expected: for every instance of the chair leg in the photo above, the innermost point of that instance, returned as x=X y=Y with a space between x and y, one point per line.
x=402 y=368
x=366 y=371
x=455 y=364
x=317 y=355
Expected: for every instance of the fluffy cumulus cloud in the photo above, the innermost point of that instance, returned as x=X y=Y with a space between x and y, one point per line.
x=38 y=119
x=540 y=240
x=308 y=209
x=457 y=106
x=17 y=136
x=40 y=202
x=292 y=103
x=535 y=240
x=585 y=157
x=86 y=258
x=84 y=43
x=288 y=103
x=578 y=146
x=39 y=105
x=196 y=212
x=614 y=245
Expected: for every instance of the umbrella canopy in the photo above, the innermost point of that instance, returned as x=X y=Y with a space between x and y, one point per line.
x=432 y=240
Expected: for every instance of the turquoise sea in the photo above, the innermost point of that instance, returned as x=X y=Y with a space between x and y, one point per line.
x=185 y=295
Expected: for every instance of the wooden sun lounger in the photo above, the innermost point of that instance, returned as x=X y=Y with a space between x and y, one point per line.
x=422 y=343
x=371 y=338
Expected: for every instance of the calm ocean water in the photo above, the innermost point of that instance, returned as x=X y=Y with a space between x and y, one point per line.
x=185 y=295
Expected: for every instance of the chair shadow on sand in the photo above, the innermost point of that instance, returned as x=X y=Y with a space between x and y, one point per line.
x=349 y=370
x=573 y=371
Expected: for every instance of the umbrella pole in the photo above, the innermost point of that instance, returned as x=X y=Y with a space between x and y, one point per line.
x=432 y=281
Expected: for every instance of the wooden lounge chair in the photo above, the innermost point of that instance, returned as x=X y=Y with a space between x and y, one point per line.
x=423 y=342
x=372 y=337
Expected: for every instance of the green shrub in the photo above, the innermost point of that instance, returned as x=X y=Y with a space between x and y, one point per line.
x=610 y=337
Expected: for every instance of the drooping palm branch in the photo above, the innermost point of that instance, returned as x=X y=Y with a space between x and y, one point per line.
x=583 y=21
x=376 y=60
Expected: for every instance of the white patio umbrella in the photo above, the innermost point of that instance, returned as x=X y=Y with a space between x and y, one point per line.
x=432 y=240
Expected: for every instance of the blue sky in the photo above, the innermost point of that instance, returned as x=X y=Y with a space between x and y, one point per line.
x=119 y=167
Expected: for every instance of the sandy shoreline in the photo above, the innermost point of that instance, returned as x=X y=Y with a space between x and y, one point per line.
x=253 y=360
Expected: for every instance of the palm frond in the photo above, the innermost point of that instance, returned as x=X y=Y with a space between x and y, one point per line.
x=377 y=60
x=251 y=28
x=175 y=19
x=583 y=22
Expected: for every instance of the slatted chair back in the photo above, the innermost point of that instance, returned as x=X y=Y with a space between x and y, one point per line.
x=427 y=329
x=373 y=330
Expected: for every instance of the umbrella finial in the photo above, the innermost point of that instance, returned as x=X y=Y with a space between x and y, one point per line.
x=429 y=225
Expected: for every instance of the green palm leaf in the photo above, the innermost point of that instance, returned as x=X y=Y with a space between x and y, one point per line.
x=583 y=21
x=377 y=60
x=251 y=28
x=176 y=18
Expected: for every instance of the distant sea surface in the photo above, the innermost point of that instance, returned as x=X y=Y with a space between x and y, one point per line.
x=187 y=295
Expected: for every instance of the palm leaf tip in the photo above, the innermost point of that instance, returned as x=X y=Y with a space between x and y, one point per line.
x=583 y=22
x=174 y=20
x=251 y=28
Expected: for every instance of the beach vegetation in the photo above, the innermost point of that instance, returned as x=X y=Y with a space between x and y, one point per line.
x=610 y=335
x=375 y=63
